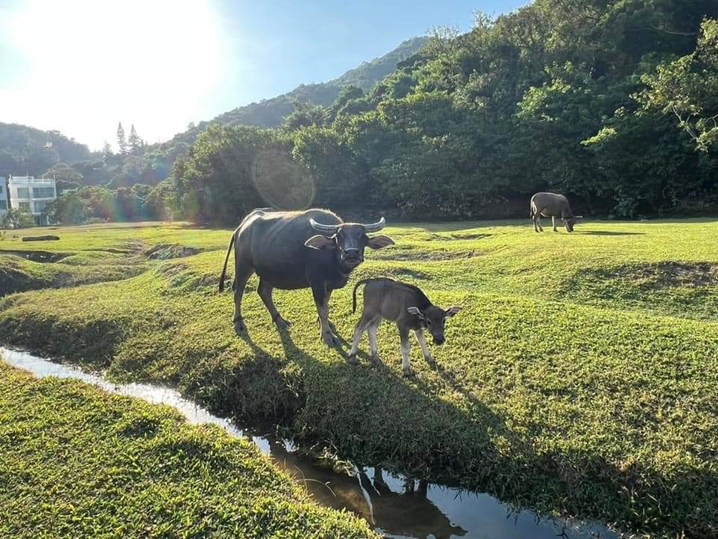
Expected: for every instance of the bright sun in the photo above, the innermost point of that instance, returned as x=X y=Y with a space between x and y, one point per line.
x=87 y=64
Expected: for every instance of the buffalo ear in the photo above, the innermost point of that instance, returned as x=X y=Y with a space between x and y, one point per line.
x=320 y=242
x=451 y=311
x=415 y=311
x=379 y=242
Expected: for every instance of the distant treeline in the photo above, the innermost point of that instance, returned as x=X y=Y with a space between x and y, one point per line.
x=612 y=103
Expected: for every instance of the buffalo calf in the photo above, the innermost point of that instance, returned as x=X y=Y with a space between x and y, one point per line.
x=406 y=305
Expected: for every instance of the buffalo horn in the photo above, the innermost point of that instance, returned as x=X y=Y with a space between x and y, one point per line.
x=375 y=227
x=319 y=227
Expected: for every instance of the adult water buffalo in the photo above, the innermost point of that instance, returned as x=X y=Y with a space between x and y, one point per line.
x=551 y=205
x=291 y=250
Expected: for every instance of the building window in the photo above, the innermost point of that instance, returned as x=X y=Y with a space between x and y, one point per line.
x=23 y=192
x=3 y=204
x=25 y=206
x=43 y=192
x=1 y=189
x=39 y=206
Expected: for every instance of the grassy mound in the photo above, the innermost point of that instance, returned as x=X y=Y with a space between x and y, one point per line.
x=558 y=392
x=79 y=462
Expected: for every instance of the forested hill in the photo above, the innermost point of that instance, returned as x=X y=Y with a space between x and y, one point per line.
x=26 y=150
x=272 y=112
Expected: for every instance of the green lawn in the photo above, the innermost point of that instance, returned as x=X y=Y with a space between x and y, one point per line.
x=79 y=462
x=581 y=378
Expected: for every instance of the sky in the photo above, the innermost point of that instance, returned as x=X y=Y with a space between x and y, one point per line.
x=82 y=66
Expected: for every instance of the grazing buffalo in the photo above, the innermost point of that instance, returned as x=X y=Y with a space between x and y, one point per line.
x=409 y=307
x=290 y=250
x=551 y=205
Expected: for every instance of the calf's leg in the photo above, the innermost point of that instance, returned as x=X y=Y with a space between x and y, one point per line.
x=373 y=327
x=425 y=349
x=358 y=332
x=405 y=350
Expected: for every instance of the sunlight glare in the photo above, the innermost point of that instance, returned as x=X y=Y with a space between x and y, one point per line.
x=87 y=64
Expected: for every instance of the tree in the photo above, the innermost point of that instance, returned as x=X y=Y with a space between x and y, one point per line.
x=217 y=182
x=67 y=209
x=135 y=143
x=17 y=218
x=121 y=141
x=64 y=172
x=688 y=89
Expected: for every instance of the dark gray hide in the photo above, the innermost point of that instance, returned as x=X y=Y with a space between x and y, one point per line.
x=290 y=250
x=406 y=305
x=551 y=205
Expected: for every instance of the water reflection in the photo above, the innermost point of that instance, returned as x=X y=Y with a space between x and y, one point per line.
x=396 y=506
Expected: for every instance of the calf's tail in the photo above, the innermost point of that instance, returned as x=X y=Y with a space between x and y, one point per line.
x=226 y=258
x=354 y=295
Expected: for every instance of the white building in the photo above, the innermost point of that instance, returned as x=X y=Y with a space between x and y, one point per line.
x=32 y=194
x=4 y=201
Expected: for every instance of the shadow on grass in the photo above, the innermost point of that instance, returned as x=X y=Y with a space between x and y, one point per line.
x=376 y=417
x=610 y=233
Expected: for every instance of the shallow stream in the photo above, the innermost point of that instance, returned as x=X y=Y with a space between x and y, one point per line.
x=393 y=505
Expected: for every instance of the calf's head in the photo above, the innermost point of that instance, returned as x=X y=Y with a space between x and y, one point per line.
x=433 y=319
x=348 y=240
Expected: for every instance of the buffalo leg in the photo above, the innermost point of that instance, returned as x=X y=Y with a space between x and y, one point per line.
x=265 y=292
x=537 y=220
x=331 y=324
x=424 y=348
x=321 y=299
x=241 y=276
x=553 y=222
x=405 y=350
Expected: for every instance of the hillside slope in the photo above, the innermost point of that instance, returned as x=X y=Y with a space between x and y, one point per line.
x=272 y=112
x=26 y=150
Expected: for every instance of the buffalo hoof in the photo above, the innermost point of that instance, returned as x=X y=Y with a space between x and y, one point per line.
x=240 y=328
x=330 y=339
x=375 y=359
x=408 y=373
x=331 y=325
x=352 y=359
x=432 y=365
x=281 y=323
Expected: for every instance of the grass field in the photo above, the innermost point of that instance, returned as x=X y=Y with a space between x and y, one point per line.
x=581 y=378
x=78 y=462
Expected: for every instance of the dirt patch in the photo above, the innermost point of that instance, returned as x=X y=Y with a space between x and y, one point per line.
x=428 y=255
x=44 y=257
x=458 y=236
x=41 y=238
x=407 y=272
x=165 y=251
x=666 y=274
